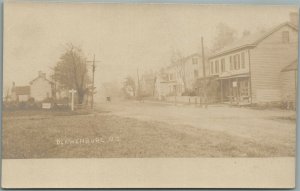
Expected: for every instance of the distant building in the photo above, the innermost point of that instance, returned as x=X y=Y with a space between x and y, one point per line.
x=165 y=86
x=147 y=84
x=20 y=93
x=180 y=77
x=41 y=88
x=252 y=69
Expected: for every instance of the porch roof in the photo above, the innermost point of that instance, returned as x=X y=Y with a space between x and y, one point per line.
x=235 y=76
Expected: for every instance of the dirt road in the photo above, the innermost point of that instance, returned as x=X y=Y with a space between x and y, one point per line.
x=271 y=127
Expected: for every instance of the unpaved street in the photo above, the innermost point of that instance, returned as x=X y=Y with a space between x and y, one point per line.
x=269 y=127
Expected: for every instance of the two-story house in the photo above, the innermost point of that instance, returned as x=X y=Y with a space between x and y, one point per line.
x=41 y=88
x=249 y=69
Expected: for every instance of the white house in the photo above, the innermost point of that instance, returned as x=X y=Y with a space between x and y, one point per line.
x=251 y=70
x=41 y=88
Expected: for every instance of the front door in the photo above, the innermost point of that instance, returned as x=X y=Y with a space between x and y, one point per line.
x=244 y=86
x=235 y=91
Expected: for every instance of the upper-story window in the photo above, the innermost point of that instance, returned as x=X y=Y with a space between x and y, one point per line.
x=234 y=62
x=195 y=60
x=285 y=36
x=196 y=74
x=171 y=76
x=217 y=66
x=238 y=61
x=243 y=59
x=222 y=65
x=231 y=62
x=211 y=67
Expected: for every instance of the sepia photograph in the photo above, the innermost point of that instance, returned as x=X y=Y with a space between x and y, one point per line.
x=147 y=81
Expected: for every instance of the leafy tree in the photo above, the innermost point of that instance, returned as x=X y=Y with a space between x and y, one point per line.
x=129 y=87
x=71 y=71
x=225 y=35
x=177 y=60
x=209 y=87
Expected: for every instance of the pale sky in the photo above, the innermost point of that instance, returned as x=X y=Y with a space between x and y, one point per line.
x=123 y=37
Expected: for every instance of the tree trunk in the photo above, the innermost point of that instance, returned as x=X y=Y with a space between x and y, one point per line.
x=80 y=97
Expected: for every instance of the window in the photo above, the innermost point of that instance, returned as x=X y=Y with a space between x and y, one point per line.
x=243 y=60
x=195 y=61
x=231 y=63
x=217 y=66
x=222 y=65
x=234 y=62
x=285 y=37
x=237 y=61
x=196 y=73
x=211 y=67
x=238 y=66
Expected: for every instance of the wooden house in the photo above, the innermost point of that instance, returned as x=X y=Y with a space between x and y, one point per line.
x=41 y=88
x=20 y=93
x=183 y=74
x=288 y=79
x=250 y=69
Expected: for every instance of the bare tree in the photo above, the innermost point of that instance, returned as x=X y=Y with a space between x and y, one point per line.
x=71 y=71
x=6 y=93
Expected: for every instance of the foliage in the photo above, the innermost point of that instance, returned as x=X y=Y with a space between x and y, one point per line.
x=71 y=71
x=129 y=87
x=177 y=59
x=225 y=35
x=189 y=93
x=209 y=87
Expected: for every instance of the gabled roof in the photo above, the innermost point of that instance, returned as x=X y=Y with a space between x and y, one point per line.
x=251 y=40
x=21 y=90
x=291 y=67
x=31 y=82
x=184 y=59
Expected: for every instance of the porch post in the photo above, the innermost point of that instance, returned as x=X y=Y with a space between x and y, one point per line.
x=250 y=77
x=237 y=91
x=230 y=91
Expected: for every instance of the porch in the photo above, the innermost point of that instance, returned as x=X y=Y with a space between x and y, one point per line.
x=235 y=90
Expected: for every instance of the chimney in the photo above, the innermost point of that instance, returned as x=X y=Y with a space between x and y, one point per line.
x=42 y=75
x=294 y=18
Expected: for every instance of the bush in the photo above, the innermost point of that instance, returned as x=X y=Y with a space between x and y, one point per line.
x=189 y=93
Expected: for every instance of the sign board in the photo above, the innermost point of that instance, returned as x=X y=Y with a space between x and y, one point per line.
x=234 y=84
x=46 y=105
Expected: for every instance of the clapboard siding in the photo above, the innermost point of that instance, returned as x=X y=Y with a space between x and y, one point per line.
x=288 y=85
x=267 y=60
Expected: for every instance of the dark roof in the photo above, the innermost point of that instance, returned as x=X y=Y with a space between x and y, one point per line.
x=291 y=67
x=251 y=40
x=22 y=90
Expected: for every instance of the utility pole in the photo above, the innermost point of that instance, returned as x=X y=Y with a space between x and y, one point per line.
x=93 y=80
x=204 y=73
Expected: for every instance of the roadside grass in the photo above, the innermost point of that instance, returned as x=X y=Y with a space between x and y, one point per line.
x=36 y=135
